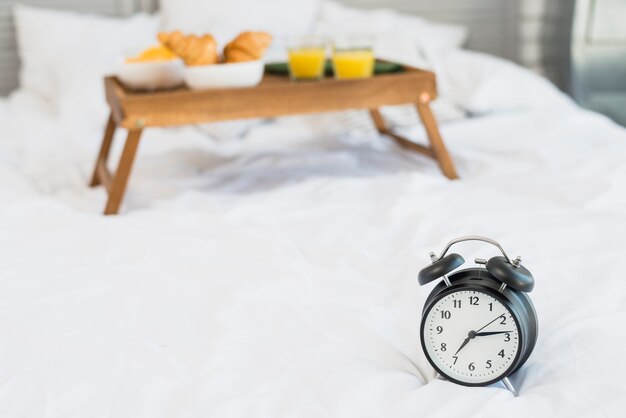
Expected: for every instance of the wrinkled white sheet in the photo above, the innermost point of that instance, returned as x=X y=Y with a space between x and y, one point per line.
x=276 y=276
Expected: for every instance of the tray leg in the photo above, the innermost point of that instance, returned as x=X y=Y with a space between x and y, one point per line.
x=382 y=128
x=105 y=148
x=436 y=142
x=120 y=179
x=437 y=150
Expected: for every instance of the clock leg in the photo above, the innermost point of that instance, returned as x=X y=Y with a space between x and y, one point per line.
x=509 y=386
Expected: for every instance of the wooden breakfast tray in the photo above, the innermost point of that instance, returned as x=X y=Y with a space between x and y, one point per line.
x=275 y=96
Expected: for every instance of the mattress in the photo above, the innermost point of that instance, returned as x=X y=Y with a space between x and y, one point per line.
x=275 y=275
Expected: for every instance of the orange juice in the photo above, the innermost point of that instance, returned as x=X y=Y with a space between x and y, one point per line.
x=307 y=63
x=353 y=63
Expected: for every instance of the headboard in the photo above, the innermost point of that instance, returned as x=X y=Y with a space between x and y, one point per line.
x=493 y=24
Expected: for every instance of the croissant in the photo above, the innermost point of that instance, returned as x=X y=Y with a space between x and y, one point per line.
x=247 y=46
x=194 y=50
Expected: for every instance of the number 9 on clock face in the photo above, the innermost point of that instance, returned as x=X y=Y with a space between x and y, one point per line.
x=470 y=337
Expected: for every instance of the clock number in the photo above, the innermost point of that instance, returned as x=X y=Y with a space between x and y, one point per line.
x=488 y=364
x=507 y=337
x=490 y=306
x=445 y=314
x=440 y=329
x=455 y=359
x=502 y=320
x=473 y=300
x=457 y=303
x=501 y=353
x=443 y=347
x=471 y=367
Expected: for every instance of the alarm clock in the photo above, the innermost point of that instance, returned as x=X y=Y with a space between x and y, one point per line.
x=478 y=325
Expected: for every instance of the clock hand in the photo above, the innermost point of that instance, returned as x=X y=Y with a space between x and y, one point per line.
x=473 y=334
x=470 y=336
x=491 y=322
x=484 y=334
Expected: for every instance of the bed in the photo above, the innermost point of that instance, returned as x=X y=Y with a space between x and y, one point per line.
x=274 y=273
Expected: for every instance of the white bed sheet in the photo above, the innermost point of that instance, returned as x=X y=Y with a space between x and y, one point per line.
x=276 y=276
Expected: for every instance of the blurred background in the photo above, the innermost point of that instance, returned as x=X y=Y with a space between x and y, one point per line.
x=580 y=45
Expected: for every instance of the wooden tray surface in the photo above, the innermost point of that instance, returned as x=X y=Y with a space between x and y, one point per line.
x=276 y=95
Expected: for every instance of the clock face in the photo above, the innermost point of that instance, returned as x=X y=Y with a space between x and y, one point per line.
x=471 y=337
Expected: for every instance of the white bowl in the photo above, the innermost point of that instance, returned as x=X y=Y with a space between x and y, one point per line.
x=238 y=74
x=152 y=75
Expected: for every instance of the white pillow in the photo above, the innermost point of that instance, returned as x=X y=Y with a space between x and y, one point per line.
x=224 y=19
x=56 y=47
x=481 y=83
x=397 y=36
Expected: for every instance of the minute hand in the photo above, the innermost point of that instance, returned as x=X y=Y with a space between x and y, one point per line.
x=484 y=334
x=494 y=320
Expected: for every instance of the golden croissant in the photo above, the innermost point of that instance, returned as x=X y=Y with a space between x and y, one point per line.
x=247 y=46
x=194 y=50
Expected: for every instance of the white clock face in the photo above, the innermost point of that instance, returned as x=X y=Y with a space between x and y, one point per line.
x=471 y=336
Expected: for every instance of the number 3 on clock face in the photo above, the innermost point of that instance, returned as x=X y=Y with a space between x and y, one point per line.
x=470 y=337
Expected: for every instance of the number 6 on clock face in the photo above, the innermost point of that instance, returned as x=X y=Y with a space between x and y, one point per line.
x=471 y=337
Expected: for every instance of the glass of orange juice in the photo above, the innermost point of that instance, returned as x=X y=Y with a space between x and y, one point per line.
x=353 y=57
x=307 y=58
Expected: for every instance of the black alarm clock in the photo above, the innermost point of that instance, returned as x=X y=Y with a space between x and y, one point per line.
x=478 y=325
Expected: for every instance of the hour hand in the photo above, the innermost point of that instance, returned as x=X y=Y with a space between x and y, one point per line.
x=467 y=340
x=484 y=334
